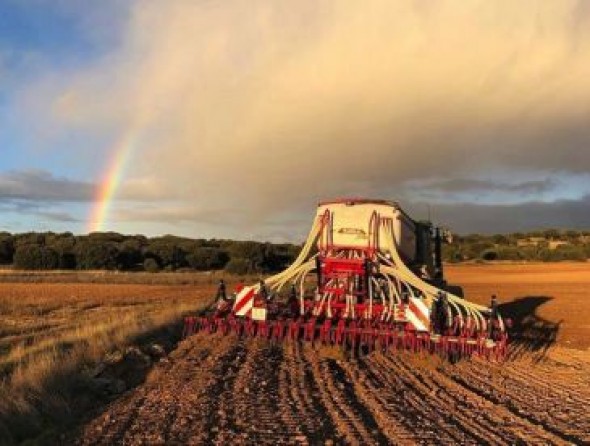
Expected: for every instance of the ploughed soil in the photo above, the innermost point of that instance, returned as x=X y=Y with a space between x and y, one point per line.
x=215 y=389
x=546 y=301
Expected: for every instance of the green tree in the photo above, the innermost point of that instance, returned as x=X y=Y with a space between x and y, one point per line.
x=130 y=254
x=6 y=249
x=151 y=265
x=166 y=252
x=106 y=237
x=252 y=252
x=64 y=244
x=96 y=255
x=29 y=238
x=238 y=266
x=207 y=258
x=33 y=256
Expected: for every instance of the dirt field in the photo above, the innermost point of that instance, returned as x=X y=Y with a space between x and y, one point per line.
x=220 y=390
x=547 y=301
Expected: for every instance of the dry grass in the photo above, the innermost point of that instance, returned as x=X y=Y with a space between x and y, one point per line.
x=189 y=277
x=50 y=333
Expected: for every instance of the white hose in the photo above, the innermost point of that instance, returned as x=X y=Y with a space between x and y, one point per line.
x=303 y=254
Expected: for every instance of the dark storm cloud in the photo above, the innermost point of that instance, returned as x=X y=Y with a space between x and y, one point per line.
x=61 y=217
x=36 y=212
x=459 y=217
x=42 y=186
x=27 y=187
x=470 y=217
x=455 y=185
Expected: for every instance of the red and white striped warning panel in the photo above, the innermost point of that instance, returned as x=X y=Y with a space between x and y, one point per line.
x=244 y=301
x=418 y=314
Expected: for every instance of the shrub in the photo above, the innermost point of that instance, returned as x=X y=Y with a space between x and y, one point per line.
x=451 y=254
x=575 y=253
x=489 y=255
x=151 y=265
x=509 y=253
x=238 y=266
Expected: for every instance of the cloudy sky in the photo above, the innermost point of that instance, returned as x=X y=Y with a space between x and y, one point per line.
x=233 y=118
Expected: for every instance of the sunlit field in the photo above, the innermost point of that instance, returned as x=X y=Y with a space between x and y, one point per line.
x=545 y=294
x=51 y=333
x=56 y=327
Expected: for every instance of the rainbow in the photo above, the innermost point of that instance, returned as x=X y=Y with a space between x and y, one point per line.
x=111 y=181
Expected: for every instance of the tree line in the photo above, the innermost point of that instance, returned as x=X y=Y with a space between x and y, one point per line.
x=549 y=245
x=114 y=251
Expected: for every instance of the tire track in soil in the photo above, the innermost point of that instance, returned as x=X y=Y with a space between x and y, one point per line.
x=384 y=402
x=529 y=399
x=569 y=370
x=249 y=409
x=160 y=411
x=353 y=420
x=113 y=425
x=207 y=404
x=271 y=401
x=536 y=394
x=485 y=422
x=555 y=382
x=199 y=417
x=427 y=424
x=299 y=396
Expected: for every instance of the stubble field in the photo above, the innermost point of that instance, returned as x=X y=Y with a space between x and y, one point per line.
x=52 y=336
x=219 y=390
